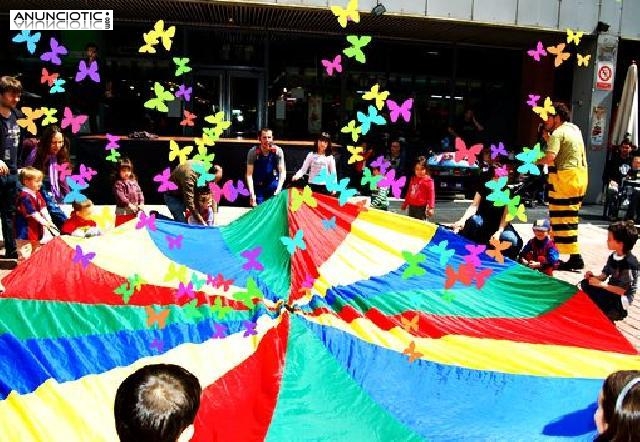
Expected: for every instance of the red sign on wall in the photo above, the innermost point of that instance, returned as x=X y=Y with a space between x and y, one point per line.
x=604 y=80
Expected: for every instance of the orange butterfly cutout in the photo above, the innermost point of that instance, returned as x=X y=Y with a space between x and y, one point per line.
x=412 y=353
x=188 y=119
x=496 y=252
x=48 y=78
x=560 y=56
x=462 y=152
x=154 y=317
x=29 y=120
x=465 y=275
x=410 y=324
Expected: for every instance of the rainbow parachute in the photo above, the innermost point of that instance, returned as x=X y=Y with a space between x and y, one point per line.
x=342 y=332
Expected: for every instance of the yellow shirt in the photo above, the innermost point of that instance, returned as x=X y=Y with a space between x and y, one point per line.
x=568 y=146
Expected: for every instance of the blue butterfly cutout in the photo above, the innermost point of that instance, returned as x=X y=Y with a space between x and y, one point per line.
x=325 y=177
x=25 y=36
x=373 y=117
x=329 y=224
x=442 y=251
x=296 y=241
x=57 y=86
x=74 y=195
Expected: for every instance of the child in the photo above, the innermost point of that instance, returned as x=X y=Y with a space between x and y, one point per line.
x=421 y=196
x=158 y=402
x=204 y=202
x=380 y=195
x=80 y=222
x=541 y=253
x=33 y=222
x=315 y=162
x=617 y=417
x=129 y=197
x=621 y=269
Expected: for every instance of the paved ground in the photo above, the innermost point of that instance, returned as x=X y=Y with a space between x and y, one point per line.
x=592 y=237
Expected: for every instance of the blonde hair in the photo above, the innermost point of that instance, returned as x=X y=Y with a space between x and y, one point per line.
x=78 y=206
x=30 y=173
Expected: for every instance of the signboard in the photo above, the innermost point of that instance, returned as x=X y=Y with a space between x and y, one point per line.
x=598 y=126
x=604 y=73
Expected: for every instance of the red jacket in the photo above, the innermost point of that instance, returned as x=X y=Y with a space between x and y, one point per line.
x=75 y=222
x=421 y=192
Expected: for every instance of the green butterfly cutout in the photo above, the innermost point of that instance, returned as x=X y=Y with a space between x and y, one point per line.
x=355 y=50
x=181 y=65
x=368 y=177
x=203 y=157
x=448 y=296
x=203 y=175
x=252 y=292
x=192 y=311
x=158 y=101
x=354 y=130
x=220 y=309
x=413 y=269
x=49 y=116
x=113 y=155
x=197 y=282
x=127 y=289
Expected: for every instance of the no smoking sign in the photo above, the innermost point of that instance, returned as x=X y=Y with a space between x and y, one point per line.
x=604 y=81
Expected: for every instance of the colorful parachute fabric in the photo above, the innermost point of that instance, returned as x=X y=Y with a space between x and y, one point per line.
x=323 y=323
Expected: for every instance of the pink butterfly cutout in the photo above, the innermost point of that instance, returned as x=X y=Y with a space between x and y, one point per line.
x=403 y=110
x=330 y=66
x=533 y=100
x=48 y=78
x=84 y=176
x=474 y=253
x=54 y=55
x=501 y=171
x=185 y=290
x=113 y=142
x=64 y=170
x=390 y=181
x=91 y=71
x=75 y=122
x=184 y=92
x=537 y=52
x=462 y=152
x=148 y=221
x=164 y=179
x=174 y=242
x=228 y=190
x=497 y=151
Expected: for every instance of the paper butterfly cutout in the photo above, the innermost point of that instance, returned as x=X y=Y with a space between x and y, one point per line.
x=498 y=150
x=184 y=92
x=473 y=257
x=104 y=219
x=516 y=212
x=356 y=154
x=150 y=41
x=247 y=297
x=372 y=117
x=533 y=100
x=156 y=318
x=198 y=282
x=82 y=258
x=349 y=14
x=529 y=158
x=220 y=282
x=158 y=102
x=191 y=310
x=368 y=177
x=113 y=155
x=537 y=52
x=561 y=57
x=126 y=290
x=75 y=122
x=157 y=344
x=403 y=110
x=218 y=120
x=174 y=242
x=148 y=221
x=465 y=275
x=252 y=259
x=297 y=241
x=54 y=55
x=470 y=154
x=181 y=65
x=583 y=60
x=29 y=120
x=203 y=175
x=412 y=353
x=204 y=157
x=410 y=324
x=185 y=290
x=220 y=331
x=353 y=130
x=379 y=97
x=74 y=195
x=331 y=66
x=175 y=152
x=175 y=273
x=231 y=192
x=112 y=141
x=413 y=268
x=49 y=78
x=574 y=36
x=91 y=71
x=220 y=309
x=340 y=187
x=396 y=185
x=444 y=254
x=381 y=163
x=329 y=224
x=64 y=170
x=298 y=198
x=58 y=86
x=27 y=37
x=250 y=328
x=188 y=118
x=546 y=109
x=85 y=175
x=501 y=171
x=158 y=32
x=355 y=50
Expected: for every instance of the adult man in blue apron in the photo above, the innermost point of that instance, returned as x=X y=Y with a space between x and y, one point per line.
x=266 y=170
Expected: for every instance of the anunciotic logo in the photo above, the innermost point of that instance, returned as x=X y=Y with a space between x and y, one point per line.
x=49 y=19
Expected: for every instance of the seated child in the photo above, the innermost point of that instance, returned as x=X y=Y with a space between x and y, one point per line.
x=80 y=222
x=621 y=270
x=157 y=403
x=541 y=253
x=617 y=416
x=204 y=205
x=379 y=195
x=33 y=222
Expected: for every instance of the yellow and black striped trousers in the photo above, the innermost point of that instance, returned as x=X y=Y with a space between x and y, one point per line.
x=566 y=192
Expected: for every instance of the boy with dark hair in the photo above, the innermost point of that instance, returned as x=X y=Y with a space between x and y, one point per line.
x=615 y=295
x=157 y=403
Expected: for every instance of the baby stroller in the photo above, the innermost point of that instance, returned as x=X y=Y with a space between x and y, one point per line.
x=532 y=189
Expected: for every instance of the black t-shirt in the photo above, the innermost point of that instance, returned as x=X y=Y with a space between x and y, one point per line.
x=10 y=139
x=491 y=215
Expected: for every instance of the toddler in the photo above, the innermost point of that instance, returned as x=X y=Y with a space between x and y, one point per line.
x=80 y=222
x=380 y=195
x=129 y=197
x=541 y=253
x=421 y=196
x=204 y=206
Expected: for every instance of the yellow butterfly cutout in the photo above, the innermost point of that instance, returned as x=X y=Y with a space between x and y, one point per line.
x=373 y=94
x=496 y=252
x=176 y=152
x=351 y=128
x=560 y=56
x=519 y=213
x=204 y=142
x=546 y=109
x=574 y=36
x=175 y=272
x=29 y=120
x=49 y=116
x=355 y=152
x=218 y=120
x=150 y=40
x=306 y=196
x=345 y=14
x=583 y=60
x=411 y=324
x=105 y=219
x=166 y=35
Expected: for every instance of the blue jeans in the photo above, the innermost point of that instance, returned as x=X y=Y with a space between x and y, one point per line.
x=264 y=192
x=8 y=196
x=176 y=206
x=474 y=230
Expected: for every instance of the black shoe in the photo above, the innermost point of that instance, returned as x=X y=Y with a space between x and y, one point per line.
x=616 y=315
x=573 y=263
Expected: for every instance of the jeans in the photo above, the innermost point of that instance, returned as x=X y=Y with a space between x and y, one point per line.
x=264 y=192
x=176 y=206
x=8 y=196
x=475 y=231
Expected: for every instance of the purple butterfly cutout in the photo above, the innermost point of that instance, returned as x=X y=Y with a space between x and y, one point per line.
x=397 y=110
x=113 y=142
x=184 y=92
x=231 y=193
x=381 y=163
x=497 y=151
x=252 y=259
x=148 y=221
x=390 y=181
x=250 y=328
x=537 y=52
x=185 y=290
x=220 y=331
x=54 y=55
x=91 y=71
x=174 y=242
x=156 y=344
x=164 y=179
x=533 y=100
x=474 y=253
x=83 y=258
x=85 y=175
